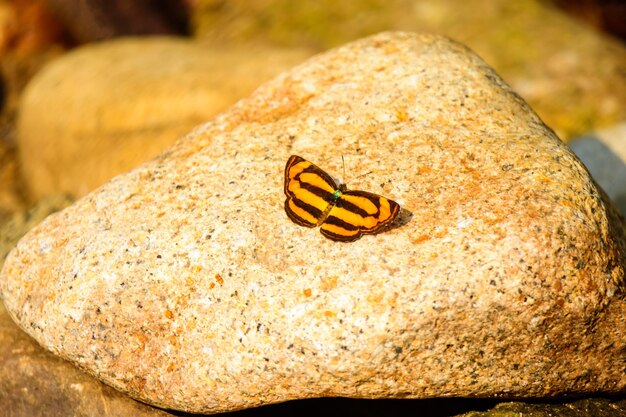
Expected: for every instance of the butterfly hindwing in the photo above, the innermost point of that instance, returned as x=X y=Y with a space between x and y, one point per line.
x=314 y=199
x=357 y=213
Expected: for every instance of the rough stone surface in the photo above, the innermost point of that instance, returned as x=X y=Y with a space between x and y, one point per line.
x=184 y=284
x=35 y=383
x=105 y=108
x=62 y=390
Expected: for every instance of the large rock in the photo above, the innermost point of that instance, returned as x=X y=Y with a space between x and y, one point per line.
x=184 y=284
x=104 y=108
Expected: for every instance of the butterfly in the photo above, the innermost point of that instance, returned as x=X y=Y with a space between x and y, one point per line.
x=314 y=199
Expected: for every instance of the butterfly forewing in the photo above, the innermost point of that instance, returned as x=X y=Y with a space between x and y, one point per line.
x=310 y=192
x=314 y=199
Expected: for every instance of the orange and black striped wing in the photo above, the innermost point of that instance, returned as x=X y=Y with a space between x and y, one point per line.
x=310 y=192
x=356 y=213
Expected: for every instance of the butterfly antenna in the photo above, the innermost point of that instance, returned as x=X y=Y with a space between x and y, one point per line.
x=344 y=170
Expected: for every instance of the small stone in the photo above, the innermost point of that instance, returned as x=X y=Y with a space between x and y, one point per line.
x=604 y=153
x=184 y=284
x=596 y=407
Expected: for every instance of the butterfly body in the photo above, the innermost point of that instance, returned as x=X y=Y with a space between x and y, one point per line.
x=315 y=199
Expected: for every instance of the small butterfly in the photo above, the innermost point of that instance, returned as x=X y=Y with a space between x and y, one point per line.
x=314 y=199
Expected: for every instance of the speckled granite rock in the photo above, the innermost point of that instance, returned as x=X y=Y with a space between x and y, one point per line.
x=32 y=381
x=105 y=108
x=184 y=284
x=35 y=383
